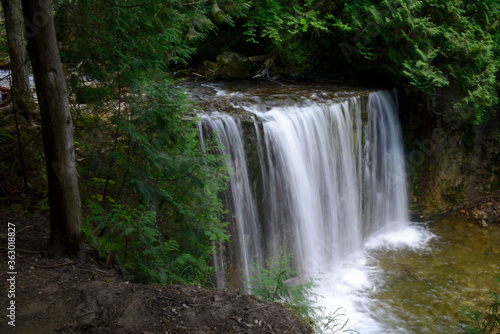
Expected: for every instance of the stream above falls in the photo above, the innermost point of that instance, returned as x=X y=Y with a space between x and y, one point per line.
x=319 y=171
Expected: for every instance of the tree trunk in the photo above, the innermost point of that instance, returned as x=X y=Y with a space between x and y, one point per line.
x=57 y=129
x=21 y=94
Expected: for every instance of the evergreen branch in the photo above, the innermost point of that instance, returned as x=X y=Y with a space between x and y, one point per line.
x=127 y=6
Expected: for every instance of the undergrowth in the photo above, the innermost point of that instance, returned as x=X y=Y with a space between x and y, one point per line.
x=276 y=281
x=131 y=237
x=485 y=321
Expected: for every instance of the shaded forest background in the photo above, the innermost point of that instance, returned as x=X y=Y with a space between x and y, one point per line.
x=150 y=196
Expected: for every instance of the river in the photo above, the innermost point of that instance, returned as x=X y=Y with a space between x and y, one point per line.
x=5 y=79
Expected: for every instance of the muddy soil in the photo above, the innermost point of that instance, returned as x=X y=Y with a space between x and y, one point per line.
x=62 y=295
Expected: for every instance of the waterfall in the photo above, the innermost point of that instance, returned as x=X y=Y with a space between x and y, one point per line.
x=244 y=212
x=331 y=174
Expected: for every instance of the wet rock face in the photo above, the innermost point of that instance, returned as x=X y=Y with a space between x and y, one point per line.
x=460 y=169
x=451 y=164
x=232 y=65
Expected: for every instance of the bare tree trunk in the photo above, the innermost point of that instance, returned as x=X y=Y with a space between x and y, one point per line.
x=57 y=129
x=14 y=26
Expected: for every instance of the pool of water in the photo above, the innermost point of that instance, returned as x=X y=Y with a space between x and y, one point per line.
x=416 y=280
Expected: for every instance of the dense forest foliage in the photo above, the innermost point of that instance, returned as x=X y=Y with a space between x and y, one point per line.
x=433 y=46
x=151 y=196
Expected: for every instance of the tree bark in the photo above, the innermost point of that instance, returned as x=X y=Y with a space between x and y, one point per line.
x=14 y=26
x=57 y=129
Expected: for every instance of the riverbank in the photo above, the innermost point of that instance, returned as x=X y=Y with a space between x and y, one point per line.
x=61 y=295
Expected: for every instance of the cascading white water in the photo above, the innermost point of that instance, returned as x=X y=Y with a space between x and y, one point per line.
x=332 y=179
x=331 y=175
x=384 y=177
x=313 y=181
x=322 y=175
x=244 y=212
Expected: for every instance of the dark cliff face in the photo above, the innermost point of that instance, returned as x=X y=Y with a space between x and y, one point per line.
x=450 y=163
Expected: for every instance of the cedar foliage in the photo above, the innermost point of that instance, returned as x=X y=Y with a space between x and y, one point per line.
x=433 y=44
x=294 y=32
x=154 y=205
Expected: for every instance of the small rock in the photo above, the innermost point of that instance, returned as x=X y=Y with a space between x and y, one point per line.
x=483 y=223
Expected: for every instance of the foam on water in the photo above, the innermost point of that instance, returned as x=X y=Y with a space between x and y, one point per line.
x=399 y=236
x=351 y=284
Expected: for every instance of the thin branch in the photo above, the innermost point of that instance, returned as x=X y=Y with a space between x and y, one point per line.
x=127 y=6
x=22 y=250
x=24 y=229
x=53 y=266
x=196 y=3
x=95 y=271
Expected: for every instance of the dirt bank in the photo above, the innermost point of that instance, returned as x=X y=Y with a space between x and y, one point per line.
x=60 y=295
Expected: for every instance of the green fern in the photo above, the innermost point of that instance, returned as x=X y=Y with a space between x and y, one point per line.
x=275 y=282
